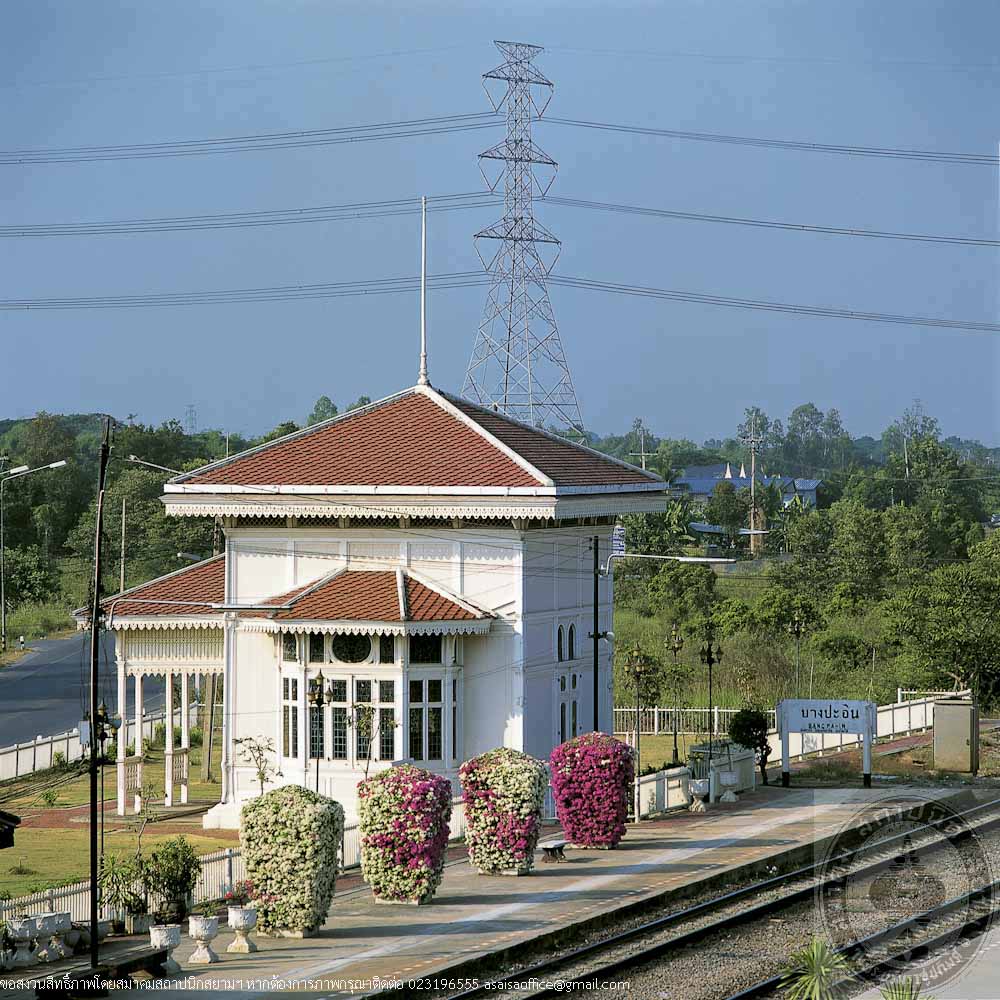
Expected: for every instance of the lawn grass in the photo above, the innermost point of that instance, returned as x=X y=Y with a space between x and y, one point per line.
x=43 y=858
x=658 y=751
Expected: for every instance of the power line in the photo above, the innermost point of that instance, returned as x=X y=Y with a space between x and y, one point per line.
x=762 y=223
x=892 y=152
x=468 y=279
x=257 y=141
x=264 y=217
x=770 y=306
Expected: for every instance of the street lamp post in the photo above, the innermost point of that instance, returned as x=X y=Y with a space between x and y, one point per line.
x=711 y=653
x=16 y=473
x=639 y=667
x=796 y=628
x=675 y=644
x=317 y=699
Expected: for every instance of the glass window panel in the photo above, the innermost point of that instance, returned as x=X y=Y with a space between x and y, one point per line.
x=364 y=716
x=289 y=646
x=351 y=648
x=363 y=691
x=571 y=648
x=562 y=683
x=562 y=722
x=285 y=688
x=386 y=734
x=387 y=648
x=434 y=689
x=416 y=733
x=295 y=689
x=386 y=692
x=434 y=734
x=338 y=691
x=574 y=682
x=416 y=692
x=573 y=716
x=454 y=689
x=317 y=646
x=338 y=735
x=425 y=649
x=316 y=732
x=286 y=733
x=454 y=732
x=559 y=643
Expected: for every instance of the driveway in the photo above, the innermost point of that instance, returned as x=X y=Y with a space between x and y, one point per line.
x=47 y=691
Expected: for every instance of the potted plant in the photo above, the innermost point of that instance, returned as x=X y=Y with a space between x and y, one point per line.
x=171 y=873
x=203 y=928
x=122 y=882
x=242 y=917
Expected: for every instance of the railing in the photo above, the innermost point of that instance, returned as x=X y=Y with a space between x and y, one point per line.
x=690 y=721
x=39 y=753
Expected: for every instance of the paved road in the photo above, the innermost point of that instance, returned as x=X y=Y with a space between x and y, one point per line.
x=46 y=691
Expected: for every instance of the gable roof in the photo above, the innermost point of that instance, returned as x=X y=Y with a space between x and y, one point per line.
x=372 y=596
x=420 y=439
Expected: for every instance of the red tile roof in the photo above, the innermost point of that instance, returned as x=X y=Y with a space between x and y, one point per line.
x=367 y=595
x=204 y=582
x=418 y=439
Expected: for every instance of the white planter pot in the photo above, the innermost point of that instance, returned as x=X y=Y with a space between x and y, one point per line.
x=729 y=780
x=203 y=930
x=699 y=788
x=23 y=931
x=242 y=920
x=50 y=928
x=166 y=936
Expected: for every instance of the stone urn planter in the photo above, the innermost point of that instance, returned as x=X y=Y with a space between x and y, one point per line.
x=203 y=931
x=699 y=792
x=242 y=920
x=728 y=780
x=50 y=930
x=166 y=936
x=22 y=931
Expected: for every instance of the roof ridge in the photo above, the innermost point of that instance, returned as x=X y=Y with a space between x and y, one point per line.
x=445 y=401
x=307 y=588
x=295 y=435
x=552 y=437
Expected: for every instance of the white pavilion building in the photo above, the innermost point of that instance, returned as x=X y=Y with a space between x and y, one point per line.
x=431 y=558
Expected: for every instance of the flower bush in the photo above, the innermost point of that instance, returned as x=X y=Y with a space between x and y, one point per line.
x=290 y=837
x=404 y=815
x=592 y=779
x=503 y=790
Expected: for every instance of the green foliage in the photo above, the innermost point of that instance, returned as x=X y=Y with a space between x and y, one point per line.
x=324 y=409
x=123 y=882
x=659 y=534
x=728 y=508
x=29 y=576
x=49 y=797
x=908 y=988
x=173 y=869
x=748 y=728
x=682 y=591
x=811 y=973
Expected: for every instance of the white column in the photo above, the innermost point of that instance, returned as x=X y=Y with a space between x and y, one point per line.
x=403 y=655
x=122 y=735
x=137 y=737
x=185 y=734
x=303 y=675
x=229 y=670
x=448 y=734
x=168 y=741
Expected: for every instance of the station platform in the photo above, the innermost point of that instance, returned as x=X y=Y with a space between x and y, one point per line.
x=475 y=920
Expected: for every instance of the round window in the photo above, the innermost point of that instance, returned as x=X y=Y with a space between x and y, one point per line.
x=351 y=648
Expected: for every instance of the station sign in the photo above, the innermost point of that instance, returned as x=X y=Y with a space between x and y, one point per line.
x=618 y=540
x=826 y=715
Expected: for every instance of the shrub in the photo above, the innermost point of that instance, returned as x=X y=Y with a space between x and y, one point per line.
x=404 y=815
x=59 y=759
x=748 y=727
x=592 y=776
x=172 y=871
x=290 y=838
x=503 y=790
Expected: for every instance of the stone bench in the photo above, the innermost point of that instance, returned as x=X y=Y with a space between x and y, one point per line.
x=553 y=850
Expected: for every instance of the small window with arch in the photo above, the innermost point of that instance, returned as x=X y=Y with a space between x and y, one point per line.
x=289 y=647
x=571 y=643
x=559 y=643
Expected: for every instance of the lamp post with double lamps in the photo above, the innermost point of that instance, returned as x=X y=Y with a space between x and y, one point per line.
x=795 y=628
x=317 y=699
x=675 y=644
x=640 y=667
x=710 y=653
x=17 y=473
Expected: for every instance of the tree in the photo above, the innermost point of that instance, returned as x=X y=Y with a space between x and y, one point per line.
x=748 y=727
x=29 y=578
x=659 y=534
x=908 y=543
x=324 y=409
x=682 y=591
x=359 y=402
x=728 y=508
x=258 y=751
x=287 y=427
x=858 y=549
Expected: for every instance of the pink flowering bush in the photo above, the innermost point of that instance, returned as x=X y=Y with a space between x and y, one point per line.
x=404 y=815
x=503 y=790
x=592 y=778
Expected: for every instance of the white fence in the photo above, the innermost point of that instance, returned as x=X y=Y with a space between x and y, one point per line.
x=39 y=753
x=690 y=721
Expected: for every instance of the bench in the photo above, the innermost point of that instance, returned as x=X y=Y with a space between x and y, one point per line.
x=553 y=850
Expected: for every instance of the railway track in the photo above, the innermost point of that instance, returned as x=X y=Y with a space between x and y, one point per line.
x=610 y=958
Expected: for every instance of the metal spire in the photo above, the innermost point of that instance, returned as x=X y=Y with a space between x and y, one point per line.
x=518 y=366
x=422 y=378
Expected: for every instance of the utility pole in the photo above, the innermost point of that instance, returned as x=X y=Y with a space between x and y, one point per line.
x=752 y=440
x=95 y=638
x=121 y=579
x=641 y=453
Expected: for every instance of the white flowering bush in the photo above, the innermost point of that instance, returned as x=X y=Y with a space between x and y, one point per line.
x=504 y=791
x=290 y=838
x=404 y=814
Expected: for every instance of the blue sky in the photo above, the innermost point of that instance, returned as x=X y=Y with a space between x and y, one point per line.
x=907 y=73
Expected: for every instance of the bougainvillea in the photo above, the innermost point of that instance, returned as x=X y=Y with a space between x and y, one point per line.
x=592 y=777
x=290 y=838
x=404 y=815
x=503 y=790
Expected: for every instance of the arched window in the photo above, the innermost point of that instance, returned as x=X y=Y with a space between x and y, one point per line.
x=559 y=643
x=571 y=649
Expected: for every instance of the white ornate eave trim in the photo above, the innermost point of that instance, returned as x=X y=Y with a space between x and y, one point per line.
x=163 y=622
x=532 y=508
x=160 y=668
x=271 y=625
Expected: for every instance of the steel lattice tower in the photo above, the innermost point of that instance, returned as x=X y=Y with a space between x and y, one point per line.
x=518 y=365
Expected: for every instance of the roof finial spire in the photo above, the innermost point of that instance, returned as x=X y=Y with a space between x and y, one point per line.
x=422 y=378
